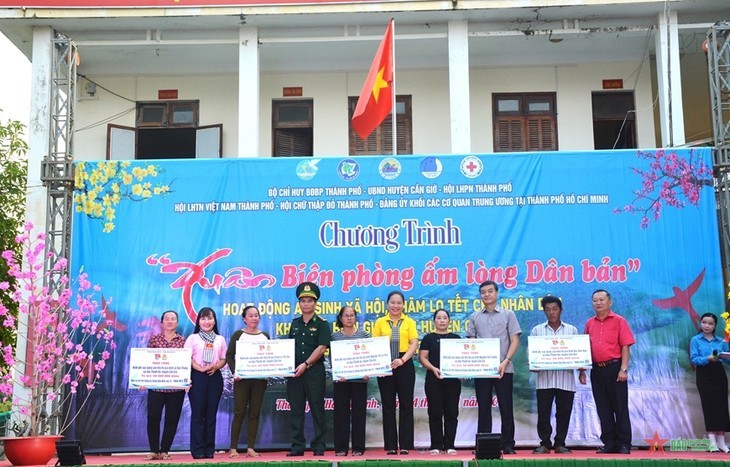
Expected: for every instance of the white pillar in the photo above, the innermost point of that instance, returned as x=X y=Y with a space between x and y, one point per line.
x=669 y=82
x=39 y=125
x=248 y=92
x=39 y=130
x=459 y=110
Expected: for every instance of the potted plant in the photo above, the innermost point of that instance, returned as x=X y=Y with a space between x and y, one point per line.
x=63 y=343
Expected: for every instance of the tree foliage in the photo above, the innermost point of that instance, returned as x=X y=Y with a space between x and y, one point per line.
x=13 y=181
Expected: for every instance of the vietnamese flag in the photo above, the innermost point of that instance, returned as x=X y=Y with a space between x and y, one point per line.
x=376 y=97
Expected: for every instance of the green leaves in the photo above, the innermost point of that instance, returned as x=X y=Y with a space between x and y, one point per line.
x=13 y=182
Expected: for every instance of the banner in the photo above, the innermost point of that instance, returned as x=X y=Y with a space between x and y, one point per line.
x=159 y=368
x=358 y=358
x=559 y=352
x=259 y=360
x=226 y=233
x=470 y=358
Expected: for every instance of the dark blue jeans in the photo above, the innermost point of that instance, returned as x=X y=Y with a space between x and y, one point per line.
x=205 y=394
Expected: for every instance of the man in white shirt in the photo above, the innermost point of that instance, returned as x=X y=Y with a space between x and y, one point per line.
x=554 y=385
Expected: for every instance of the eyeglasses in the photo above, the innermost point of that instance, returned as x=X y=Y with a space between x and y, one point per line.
x=348 y=316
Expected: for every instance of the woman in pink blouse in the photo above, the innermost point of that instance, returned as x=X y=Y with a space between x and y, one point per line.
x=209 y=356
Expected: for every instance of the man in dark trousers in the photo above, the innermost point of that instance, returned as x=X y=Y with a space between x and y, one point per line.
x=496 y=322
x=311 y=336
x=611 y=339
x=554 y=385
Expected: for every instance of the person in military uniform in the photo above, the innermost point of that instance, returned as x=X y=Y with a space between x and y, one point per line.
x=311 y=336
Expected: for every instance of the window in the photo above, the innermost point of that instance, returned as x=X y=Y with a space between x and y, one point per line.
x=173 y=114
x=380 y=140
x=525 y=122
x=614 y=120
x=165 y=130
x=292 y=128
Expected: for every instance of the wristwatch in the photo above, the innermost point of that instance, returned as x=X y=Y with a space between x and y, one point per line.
x=625 y=370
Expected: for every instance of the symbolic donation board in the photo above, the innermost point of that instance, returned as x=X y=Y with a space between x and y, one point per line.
x=357 y=358
x=159 y=368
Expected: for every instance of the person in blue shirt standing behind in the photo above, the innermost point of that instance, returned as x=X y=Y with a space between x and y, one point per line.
x=442 y=393
x=704 y=350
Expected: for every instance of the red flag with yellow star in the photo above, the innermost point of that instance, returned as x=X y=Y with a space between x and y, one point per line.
x=376 y=97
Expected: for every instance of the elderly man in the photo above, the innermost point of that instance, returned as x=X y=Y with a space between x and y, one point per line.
x=611 y=339
x=554 y=385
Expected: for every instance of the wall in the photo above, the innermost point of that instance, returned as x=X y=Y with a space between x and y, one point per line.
x=218 y=96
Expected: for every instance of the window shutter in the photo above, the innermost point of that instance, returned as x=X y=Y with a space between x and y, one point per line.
x=541 y=134
x=380 y=141
x=509 y=135
x=292 y=143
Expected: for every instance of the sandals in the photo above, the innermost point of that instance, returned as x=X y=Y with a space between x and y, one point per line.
x=153 y=456
x=165 y=456
x=252 y=453
x=232 y=453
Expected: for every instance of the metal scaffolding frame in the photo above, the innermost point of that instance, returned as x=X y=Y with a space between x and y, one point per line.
x=718 y=61
x=57 y=166
x=57 y=174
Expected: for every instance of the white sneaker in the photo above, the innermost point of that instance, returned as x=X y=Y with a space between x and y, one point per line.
x=713 y=448
x=434 y=452
x=451 y=452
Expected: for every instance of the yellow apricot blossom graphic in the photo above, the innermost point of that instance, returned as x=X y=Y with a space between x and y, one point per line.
x=100 y=187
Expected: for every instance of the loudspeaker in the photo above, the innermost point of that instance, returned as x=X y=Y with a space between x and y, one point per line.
x=488 y=446
x=70 y=452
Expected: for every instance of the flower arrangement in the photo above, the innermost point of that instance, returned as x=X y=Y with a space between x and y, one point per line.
x=726 y=317
x=66 y=338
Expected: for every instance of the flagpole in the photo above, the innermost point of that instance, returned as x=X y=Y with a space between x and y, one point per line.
x=393 y=112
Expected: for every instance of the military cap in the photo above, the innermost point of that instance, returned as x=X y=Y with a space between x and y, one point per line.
x=308 y=289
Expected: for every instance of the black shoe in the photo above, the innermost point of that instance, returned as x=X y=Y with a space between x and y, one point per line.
x=605 y=450
x=321 y=453
x=541 y=450
x=392 y=452
x=357 y=453
x=562 y=450
x=510 y=451
x=295 y=454
x=404 y=452
x=624 y=450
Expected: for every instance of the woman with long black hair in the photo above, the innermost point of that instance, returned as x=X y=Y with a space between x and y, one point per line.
x=209 y=356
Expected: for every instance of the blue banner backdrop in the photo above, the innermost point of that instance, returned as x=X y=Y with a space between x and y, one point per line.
x=159 y=235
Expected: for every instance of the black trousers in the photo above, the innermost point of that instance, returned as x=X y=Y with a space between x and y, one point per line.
x=612 y=405
x=205 y=395
x=172 y=403
x=503 y=387
x=563 y=408
x=443 y=410
x=712 y=386
x=350 y=411
x=400 y=384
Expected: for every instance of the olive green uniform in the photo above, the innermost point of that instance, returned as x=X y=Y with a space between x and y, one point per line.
x=310 y=386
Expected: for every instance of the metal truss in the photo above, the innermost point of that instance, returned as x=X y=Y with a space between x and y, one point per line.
x=57 y=173
x=718 y=60
x=57 y=167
